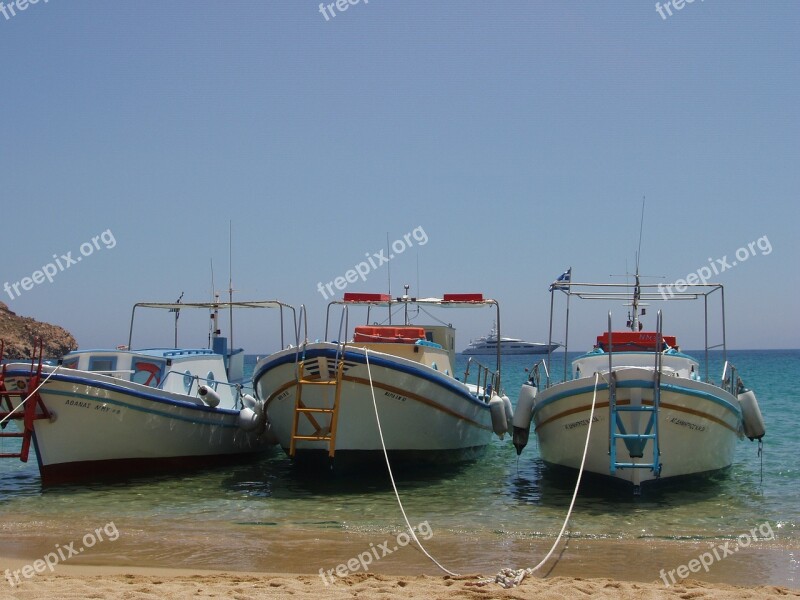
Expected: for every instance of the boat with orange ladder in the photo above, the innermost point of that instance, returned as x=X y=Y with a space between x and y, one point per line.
x=322 y=402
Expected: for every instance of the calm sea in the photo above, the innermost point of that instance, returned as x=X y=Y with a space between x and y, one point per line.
x=489 y=502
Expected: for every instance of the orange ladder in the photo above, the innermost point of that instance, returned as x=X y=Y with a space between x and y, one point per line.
x=319 y=435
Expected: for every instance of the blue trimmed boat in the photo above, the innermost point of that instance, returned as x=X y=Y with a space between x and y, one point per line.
x=656 y=415
x=111 y=414
x=321 y=398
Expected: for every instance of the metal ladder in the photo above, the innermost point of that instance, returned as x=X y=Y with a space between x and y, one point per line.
x=635 y=442
x=319 y=435
x=29 y=414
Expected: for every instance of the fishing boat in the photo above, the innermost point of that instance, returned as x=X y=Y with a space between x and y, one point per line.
x=389 y=387
x=654 y=413
x=115 y=413
x=489 y=345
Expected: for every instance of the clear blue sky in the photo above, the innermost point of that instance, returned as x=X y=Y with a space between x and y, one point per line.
x=520 y=136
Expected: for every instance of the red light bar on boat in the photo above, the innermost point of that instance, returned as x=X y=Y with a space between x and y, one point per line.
x=463 y=298
x=358 y=297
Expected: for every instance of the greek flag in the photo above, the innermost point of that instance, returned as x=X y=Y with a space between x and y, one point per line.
x=565 y=277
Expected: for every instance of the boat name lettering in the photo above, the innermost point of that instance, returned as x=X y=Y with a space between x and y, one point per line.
x=108 y=409
x=78 y=403
x=682 y=423
x=395 y=396
x=581 y=423
x=282 y=395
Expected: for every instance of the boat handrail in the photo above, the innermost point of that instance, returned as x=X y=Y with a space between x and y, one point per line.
x=730 y=380
x=489 y=378
x=536 y=376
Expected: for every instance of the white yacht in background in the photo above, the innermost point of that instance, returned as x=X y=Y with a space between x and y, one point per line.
x=488 y=345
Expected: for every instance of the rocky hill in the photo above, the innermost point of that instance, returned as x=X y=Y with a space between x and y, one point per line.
x=18 y=334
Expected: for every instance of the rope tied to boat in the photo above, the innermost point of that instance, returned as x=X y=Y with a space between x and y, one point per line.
x=509 y=578
x=31 y=395
x=391 y=476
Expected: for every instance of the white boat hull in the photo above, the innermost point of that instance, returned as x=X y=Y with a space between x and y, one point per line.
x=424 y=413
x=698 y=425
x=104 y=426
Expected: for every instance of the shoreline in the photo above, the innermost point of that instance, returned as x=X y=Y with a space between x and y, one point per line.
x=305 y=552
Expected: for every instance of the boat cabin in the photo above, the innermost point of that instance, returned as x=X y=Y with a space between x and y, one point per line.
x=180 y=371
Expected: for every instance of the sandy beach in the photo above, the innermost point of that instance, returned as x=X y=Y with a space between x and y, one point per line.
x=113 y=583
x=289 y=564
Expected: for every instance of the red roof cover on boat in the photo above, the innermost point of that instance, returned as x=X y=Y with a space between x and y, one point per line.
x=463 y=298
x=388 y=334
x=360 y=297
x=631 y=341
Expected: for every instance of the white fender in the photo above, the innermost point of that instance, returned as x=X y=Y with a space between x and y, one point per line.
x=509 y=410
x=523 y=415
x=249 y=401
x=525 y=404
x=209 y=396
x=498 y=410
x=752 y=421
x=248 y=419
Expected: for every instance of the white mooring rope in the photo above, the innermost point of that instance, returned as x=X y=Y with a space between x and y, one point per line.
x=509 y=578
x=391 y=476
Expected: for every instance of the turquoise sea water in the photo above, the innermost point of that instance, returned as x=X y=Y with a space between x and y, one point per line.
x=492 y=501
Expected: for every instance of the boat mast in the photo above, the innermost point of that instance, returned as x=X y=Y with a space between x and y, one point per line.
x=230 y=284
x=634 y=322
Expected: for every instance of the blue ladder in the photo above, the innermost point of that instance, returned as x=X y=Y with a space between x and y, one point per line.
x=634 y=442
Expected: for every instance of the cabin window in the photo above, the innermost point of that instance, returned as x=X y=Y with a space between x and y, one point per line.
x=210 y=381
x=187 y=380
x=102 y=363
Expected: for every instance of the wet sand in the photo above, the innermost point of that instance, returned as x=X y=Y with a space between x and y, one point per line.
x=289 y=560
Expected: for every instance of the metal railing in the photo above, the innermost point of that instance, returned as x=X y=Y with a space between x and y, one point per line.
x=730 y=381
x=535 y=376
x=488 y=381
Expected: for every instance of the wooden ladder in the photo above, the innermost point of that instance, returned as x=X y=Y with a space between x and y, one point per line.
x=29 y=414
x=320 y=434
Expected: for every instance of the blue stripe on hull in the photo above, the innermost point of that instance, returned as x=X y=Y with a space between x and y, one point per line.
x=375 y=359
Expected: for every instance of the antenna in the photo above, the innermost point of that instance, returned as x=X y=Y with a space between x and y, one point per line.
x=389 y=275
x=230 y=284
x=639 y=251
x=635 y=325
x=213 y=297
x=419 y=293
